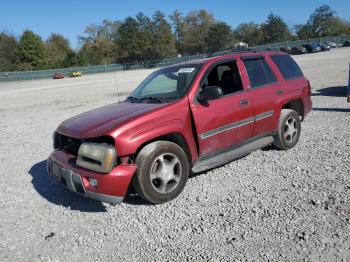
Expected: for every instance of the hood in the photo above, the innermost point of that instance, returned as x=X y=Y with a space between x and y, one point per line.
x=101 y=121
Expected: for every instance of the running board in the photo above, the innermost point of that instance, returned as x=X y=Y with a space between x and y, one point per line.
x=227 y=156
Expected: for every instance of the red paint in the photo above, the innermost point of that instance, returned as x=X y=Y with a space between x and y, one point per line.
x=115 y=183
x=135 y=124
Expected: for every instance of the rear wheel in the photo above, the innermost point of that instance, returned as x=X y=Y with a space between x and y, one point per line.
x=162 y=171
x=289 y=128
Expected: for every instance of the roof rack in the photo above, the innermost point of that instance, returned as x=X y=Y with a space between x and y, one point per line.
x=241 y=51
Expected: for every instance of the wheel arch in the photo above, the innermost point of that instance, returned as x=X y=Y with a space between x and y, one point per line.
x=296 y=105
x=176 y=138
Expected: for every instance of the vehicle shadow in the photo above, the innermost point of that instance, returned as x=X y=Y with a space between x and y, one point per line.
x=328 y=109
x=57 y=194
x=131 y=198
x=335 y=91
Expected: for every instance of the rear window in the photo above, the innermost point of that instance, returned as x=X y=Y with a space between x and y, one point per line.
x=259 y=72
x=288 y=67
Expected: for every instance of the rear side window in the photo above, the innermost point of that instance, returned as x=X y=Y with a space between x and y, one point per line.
x=259 y=72
x=288 y=67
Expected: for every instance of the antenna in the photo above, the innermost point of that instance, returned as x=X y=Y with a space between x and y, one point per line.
x=116 y=85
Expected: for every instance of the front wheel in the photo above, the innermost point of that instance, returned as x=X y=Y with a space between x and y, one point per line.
x=289 y=128
x=162 y=171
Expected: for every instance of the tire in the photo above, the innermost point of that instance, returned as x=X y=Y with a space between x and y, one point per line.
x=162 y=171
x=289 y=128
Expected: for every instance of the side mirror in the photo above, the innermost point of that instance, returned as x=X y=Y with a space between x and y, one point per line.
x=209 y=93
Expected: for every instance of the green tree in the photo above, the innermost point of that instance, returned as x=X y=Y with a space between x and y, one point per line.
x=197 y=24
x=72 y=59
x=249 y=33
x=8 y=48
x=275 y=29
x=323 y=22
x=178 y=24
x=219 y=37
x=162 y=36
x=31 y=51
x=191 y=30
x=130 y=40
x=98 y=44
x=101 y=51
x=142 y=38
x=303 y=31
x=57 y=49
x=319 y=20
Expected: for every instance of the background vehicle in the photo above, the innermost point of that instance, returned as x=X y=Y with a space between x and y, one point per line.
x=298 y=50
x=346 y=43
x=331 y=44
x=312 y=48
x=58 y=76
x=324 y=47
x=185 y=118
x=286 y=50
x=75 y=74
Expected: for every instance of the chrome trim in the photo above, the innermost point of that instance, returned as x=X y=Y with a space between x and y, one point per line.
x=264 y=115
x=226 y=128
x=236 y=124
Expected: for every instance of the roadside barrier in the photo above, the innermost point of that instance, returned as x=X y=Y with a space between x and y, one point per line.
x=349 y=86
x=89 y=69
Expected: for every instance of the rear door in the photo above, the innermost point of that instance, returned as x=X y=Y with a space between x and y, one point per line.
x=264 y=88
x=228 y=120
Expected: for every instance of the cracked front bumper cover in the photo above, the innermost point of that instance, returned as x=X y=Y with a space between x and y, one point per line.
x=111 y=187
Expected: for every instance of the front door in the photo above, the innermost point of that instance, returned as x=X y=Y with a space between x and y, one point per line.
x=225 y=121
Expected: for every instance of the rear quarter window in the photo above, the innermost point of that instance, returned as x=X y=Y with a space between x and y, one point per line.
x=259 y=72
x=288 y=67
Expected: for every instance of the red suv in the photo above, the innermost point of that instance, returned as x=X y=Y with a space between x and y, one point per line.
x=185 y=118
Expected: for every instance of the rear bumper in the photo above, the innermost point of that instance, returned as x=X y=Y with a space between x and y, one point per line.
x=111 y=187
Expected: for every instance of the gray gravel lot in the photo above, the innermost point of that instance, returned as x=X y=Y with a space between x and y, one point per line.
x=271 y=205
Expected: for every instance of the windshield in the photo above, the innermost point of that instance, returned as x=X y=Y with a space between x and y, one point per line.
x=165 y=85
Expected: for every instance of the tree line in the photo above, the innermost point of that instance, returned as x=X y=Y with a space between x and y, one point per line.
x=143 y=38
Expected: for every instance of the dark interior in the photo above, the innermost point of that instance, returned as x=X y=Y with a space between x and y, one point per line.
x=226 y=76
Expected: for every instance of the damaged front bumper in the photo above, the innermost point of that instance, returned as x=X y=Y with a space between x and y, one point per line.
x=109 y=188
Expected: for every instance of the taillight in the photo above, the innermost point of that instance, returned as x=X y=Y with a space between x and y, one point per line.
x=309 y=88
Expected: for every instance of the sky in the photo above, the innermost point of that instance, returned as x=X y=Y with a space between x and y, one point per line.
x=70 y=18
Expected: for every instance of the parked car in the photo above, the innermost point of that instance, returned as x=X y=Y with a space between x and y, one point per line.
x=298 y=50
x=184 y=118
x=312 y=48
x=346 y=43
x=75 y=74
x=324 y=47
x=286 y=49
x=331 y=44
x=58 y=76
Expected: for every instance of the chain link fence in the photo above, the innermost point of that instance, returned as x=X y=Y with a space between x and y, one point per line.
x=40 y=74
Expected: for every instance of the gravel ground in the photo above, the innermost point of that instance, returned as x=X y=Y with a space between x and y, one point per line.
x=271 y=205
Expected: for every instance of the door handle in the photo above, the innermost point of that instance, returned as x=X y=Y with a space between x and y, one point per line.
x=243 y=102
x=279 y=92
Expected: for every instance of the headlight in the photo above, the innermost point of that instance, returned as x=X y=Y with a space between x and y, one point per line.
x=96 y=157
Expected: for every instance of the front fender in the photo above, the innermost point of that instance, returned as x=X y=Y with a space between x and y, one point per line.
x=175 y=120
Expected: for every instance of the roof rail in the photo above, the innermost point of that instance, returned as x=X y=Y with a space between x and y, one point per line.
x=241 y=51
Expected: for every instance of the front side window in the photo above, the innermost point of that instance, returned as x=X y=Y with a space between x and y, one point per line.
x=226 y=76
x=259 y=72
x=166 y=84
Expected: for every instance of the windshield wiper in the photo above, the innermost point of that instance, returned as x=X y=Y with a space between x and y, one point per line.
x=133 y=99
x=154 y=98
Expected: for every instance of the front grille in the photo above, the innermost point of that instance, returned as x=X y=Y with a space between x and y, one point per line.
x=69 y=144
